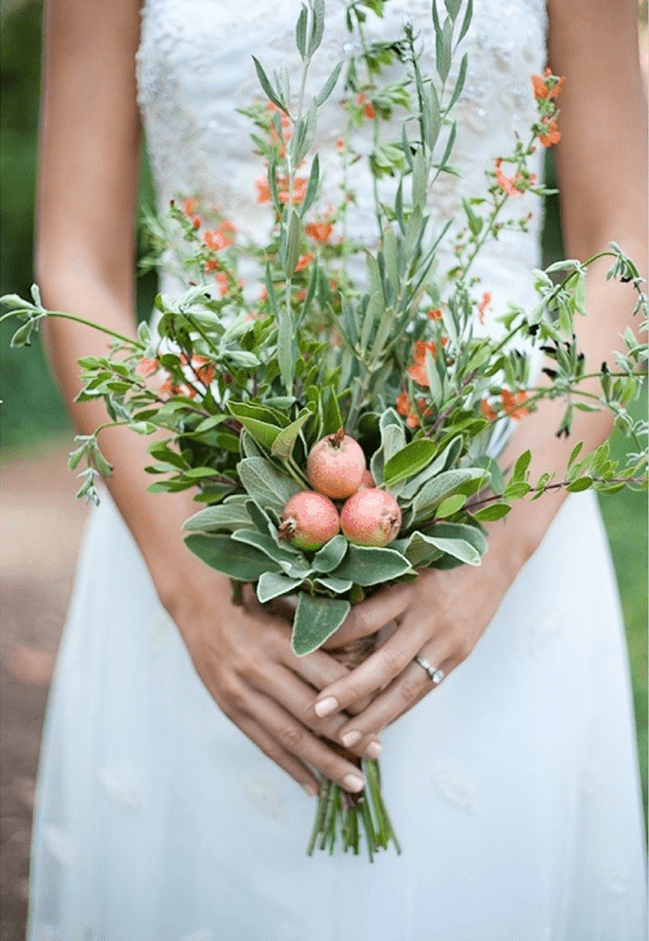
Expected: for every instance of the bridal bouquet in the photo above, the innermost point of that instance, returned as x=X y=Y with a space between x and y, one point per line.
x=341 y=433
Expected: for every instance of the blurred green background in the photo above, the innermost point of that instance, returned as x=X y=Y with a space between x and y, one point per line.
x=33 y=416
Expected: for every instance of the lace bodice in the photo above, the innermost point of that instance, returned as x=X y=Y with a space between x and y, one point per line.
x=195 y=70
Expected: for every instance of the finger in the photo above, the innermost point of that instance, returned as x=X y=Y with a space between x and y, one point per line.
x=304 y=745
x=278 y=754
x=371 y=615
x=398 y=698
x=297 y=698
x=387 y=662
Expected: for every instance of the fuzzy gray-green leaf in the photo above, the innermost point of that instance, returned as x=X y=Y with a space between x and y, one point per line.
x=315 y=620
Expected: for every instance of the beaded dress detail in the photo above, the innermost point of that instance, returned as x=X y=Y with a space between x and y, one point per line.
x=513 y=786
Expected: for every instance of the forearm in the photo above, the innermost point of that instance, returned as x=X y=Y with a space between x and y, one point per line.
x=610 y=304
x=155 y=520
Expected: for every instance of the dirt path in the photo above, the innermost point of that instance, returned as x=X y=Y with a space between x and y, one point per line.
x=40 y=529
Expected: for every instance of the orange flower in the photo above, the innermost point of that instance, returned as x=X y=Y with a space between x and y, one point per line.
x=221 y=237
x=263 y=190
x=483 y=306
x=541 y=88
x=320 y=231
x=171 y=388
x=211 y=264
x=303 y=261
x=512 y=402
x=403 y=403
x=196 y=222
x=487 y=410
x=421 y=348
x=204 y=369
x=508 y=183
x=340 y=144
x=189 y=207
x=299 y=189
x=147 y=366
x=551 y=134
x=222 y=283
x=435 y=314
x=417 y=373
x=368 y=110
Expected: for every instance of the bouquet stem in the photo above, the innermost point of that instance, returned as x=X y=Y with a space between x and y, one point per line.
x=344 y=816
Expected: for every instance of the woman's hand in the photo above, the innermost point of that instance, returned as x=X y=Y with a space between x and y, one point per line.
x=244 y=658
x=440 y=616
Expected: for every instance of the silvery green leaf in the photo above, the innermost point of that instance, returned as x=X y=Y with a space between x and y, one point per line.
x=315 y=621
x=409 y=460
x=22 y=336
x=375 y=308
x=248 y=446
x=283 y=444
x=434 y=116
x=300 y=31
x=457 y=548
x=293 y=243
x=236 y=560
x=436 y=489
x=265 y=544
x=470 y=534
x=267 y=485
x=297 y=569
x=264 y=81
x=15 y=302
x=329 y=85
x=420 y=551
x=435 y=382
x=331 y=554
x=466 y=22
x=285 y=346
x=338 y=585
x=453 y=8
x=443 y=460
x=223 y=516
x=419 y=179
x=317 y=25
x=390 y=256
x=36 y=295
x=142 y=427
x=271 y=585
x=365 y=565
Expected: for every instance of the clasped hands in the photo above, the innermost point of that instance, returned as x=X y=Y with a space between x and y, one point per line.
x=313 y=715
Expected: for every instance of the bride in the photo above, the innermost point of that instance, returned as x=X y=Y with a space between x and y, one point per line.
x=513 y=783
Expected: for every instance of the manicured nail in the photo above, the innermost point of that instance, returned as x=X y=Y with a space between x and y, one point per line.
x=326 y=706
x=373 y=750
x=311 y=789
x=353 y=783
x=350 y=738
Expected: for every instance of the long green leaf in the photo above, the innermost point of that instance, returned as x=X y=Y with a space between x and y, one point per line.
x=315 y=620
x=238 y=561
x=366 y=565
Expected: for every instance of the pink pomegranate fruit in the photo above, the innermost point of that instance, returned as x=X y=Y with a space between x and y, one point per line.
x=367 y=480
x=310 y=520
x=371 y=517
x=335 y=465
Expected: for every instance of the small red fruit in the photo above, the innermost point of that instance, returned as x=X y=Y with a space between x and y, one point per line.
x=310 y=520
x=371 y=517
x=335 y=465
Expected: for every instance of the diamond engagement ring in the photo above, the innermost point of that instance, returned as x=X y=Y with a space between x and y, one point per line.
x=436 y=675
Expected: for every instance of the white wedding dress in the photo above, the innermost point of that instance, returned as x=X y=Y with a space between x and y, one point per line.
x=513 y=786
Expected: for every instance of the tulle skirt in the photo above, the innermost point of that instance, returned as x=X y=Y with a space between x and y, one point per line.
x=513 y=786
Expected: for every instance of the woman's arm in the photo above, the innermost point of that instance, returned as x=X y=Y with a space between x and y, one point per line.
x=602 y=170
x=88 y=180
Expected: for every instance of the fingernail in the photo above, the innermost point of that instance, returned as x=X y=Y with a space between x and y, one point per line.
x=326 y=706
x=373 y=750
x=311 y=789
x=353 y=783
x=350 y=738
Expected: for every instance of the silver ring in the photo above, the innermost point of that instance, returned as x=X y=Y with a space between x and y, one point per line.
x=436 y=675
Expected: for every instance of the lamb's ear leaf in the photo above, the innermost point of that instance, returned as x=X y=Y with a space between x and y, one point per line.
x=236 y=560
x=315 y=620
